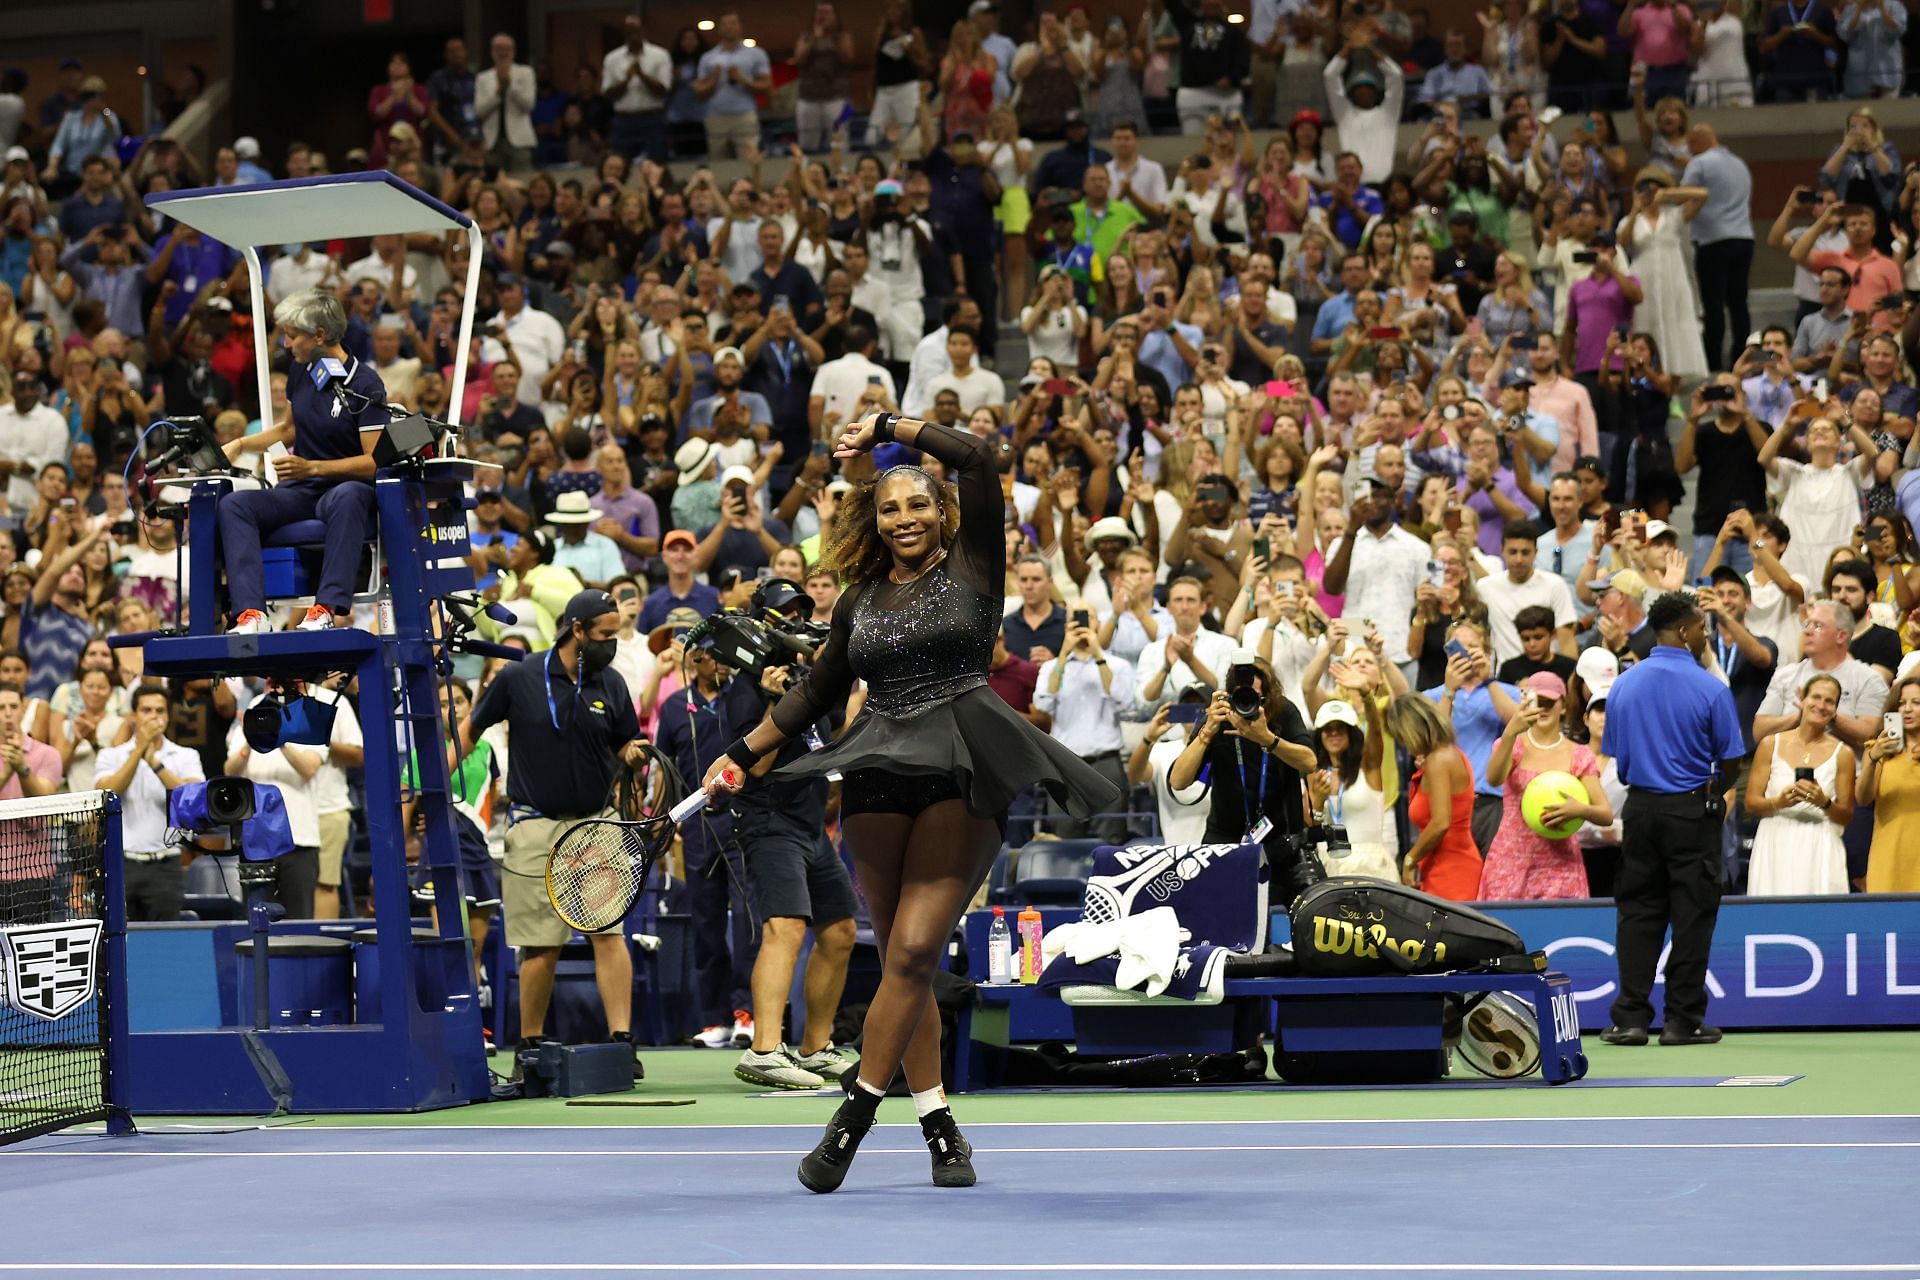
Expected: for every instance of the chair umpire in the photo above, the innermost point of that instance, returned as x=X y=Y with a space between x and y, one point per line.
x=1673 y=729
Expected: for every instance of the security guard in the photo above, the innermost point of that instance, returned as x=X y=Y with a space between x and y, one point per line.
x=1673 y=730
x=569 y=720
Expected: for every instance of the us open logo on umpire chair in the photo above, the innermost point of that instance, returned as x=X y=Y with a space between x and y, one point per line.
x=47 y=970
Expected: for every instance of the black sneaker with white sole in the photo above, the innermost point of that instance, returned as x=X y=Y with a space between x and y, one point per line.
x=952 y=1154
x=825 y=1167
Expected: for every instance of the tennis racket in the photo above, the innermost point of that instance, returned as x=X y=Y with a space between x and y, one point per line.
x=597 y=869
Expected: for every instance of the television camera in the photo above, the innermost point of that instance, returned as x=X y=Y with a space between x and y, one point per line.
x=772 y=631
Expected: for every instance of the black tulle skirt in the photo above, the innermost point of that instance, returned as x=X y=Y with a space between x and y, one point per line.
x=990 y=752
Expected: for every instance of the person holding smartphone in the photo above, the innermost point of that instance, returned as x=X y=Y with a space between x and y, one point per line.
x=1890 y=781
x=1084 y=690
x=1183 y=818
x=1801 y=788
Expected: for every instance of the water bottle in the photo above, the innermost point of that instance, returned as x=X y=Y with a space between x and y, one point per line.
x=999 y=950
x=1028 y=926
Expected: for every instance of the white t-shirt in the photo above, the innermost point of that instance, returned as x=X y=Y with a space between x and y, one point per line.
x=977 y=388
x=1183 y=813
x=330 y=784
x=272 y=767
x=840 y=384
x=1054 y=336
x=1505 y=598
x=371 y=265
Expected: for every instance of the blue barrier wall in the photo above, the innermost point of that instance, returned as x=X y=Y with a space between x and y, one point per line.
x=1776 y=962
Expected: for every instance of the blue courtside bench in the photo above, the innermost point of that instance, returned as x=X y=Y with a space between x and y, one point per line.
x=1305 y=1016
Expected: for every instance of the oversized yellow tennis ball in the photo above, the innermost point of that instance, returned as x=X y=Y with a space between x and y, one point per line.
x=1549 y=789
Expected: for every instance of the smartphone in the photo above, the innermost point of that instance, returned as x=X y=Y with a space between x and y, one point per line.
x=1529 y=698
x=1280 y=390
x=1436 y=574
x=1719 y=393
x=1057 y=387
x=1455 y=649
x=764 y=572
x=873 y=380
x=1585 y=257
x=1081 y=618
x=1263 y=549
x=1807 y=197
x=1383 y=333
x=1186 y=713
x=1610 y=524
x=1450 y=519
x=1284 y=590
x=1803 y=774
x=1891 y=727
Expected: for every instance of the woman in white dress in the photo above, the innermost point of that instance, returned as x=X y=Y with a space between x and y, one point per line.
x=1821 y=497
x=1654 y=234
x=1720 y=74
x=1801 y=789
x=1347 y=791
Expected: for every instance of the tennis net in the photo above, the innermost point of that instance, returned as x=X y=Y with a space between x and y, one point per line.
x=54 y=1060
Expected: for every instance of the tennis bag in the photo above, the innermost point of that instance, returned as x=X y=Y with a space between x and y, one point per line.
x=1360 y=927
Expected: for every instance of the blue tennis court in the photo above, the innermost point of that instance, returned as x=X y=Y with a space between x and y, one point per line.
x=1805 y=1195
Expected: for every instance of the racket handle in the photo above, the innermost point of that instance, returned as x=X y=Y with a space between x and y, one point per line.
x=694 y=803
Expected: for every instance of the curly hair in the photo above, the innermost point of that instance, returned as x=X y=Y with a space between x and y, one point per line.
x=853 y=550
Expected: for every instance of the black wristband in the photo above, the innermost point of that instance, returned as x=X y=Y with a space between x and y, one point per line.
x=883 y=427
x=742 y=754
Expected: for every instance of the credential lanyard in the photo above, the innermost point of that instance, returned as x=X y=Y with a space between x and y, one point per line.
x=1258 y=824
x=546 y=678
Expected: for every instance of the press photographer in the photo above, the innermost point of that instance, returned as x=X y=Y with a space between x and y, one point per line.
x=1254 y=750
x=794 y=878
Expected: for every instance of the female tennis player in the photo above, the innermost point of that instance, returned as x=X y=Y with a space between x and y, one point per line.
x=933 y=760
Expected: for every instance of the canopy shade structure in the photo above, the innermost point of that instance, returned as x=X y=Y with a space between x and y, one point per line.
x=339 y=206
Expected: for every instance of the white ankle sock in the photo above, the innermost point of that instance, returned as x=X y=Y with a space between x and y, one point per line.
x=928 y=1101
x=878 y=1093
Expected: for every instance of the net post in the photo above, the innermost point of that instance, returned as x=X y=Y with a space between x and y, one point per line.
x=115 y=1066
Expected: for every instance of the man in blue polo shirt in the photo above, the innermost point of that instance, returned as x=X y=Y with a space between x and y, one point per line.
x=1674 y=732
x=1479 y=708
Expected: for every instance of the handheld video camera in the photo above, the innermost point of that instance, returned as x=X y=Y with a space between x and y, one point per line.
x=772 y=631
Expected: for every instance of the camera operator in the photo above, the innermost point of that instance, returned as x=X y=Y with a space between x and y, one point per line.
x=795 y=879
x=568 y=716
x=694 y=728
x=1257 y=751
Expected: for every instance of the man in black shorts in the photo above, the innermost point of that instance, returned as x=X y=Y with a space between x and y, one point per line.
x=796 y=881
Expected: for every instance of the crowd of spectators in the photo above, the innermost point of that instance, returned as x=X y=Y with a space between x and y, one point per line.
x=1396 y=410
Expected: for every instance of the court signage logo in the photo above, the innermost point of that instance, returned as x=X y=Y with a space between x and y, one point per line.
x=46 y=970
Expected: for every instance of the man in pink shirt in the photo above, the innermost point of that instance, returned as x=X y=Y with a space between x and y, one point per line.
x=1566 y=402
x=1874 y=274
x=1662 y=34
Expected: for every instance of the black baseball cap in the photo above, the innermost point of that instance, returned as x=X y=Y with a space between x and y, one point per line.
x=585 y=607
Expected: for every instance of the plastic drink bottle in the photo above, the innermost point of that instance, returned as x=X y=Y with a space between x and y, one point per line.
x=999 y=950
x=1029 y=930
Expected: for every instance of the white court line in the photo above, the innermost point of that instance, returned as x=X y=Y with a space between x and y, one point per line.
x=522 y=1153
x=509 y=1126
x=1000 y=1268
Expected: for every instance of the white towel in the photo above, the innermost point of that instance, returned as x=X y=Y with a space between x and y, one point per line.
x=1147 y=944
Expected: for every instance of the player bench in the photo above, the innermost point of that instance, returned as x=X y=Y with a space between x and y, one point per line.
x=1396 y=1017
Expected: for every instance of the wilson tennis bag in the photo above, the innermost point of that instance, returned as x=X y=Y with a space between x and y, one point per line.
x=1359 y=927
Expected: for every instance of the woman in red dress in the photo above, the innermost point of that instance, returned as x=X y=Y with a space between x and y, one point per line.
x=1444 y=861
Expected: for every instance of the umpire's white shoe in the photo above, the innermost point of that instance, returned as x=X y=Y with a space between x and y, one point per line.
x=775 y=1069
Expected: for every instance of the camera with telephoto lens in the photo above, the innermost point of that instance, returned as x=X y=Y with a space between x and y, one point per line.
x=1243 y=691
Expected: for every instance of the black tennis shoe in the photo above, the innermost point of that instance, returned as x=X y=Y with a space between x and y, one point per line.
x=1672 y=1034
x=1625 y=1035
x=825 y=1167
x=952 y=1154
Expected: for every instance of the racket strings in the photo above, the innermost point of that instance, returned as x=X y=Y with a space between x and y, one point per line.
x=598 y=869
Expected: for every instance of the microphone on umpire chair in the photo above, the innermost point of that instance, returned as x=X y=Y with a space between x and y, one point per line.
x=329 y=374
